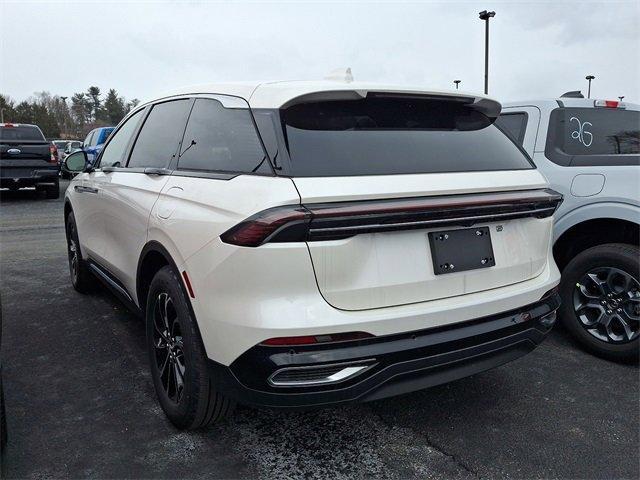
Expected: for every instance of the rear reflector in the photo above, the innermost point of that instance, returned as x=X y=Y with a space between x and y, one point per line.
x=333 y=221
x=609 y=104
x=314 y=339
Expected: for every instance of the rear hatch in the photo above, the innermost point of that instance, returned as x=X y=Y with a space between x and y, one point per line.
x=23 y=148
x=433 y=200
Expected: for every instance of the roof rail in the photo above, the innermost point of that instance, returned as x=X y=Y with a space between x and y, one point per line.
x=572 y=94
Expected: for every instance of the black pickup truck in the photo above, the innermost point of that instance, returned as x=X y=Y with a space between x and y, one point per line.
x=27 y=159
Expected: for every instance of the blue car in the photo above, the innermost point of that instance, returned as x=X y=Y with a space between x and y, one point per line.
x=95 y=140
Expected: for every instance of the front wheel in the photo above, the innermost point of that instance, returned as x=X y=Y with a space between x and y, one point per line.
x=600 y=292
x=177 y=358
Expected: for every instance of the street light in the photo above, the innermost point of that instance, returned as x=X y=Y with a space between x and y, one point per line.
x=457 y=82
x=484 y=15
x=621 y=97
x=589 y=77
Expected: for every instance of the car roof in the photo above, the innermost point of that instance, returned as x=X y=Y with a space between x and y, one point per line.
x=566 y=102
x=279 y=93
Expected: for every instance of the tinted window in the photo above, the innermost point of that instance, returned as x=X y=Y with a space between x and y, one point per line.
x=382 y=136
x=113 y=153
x=158 y=140
x=220 y=139
x=594 y=136
x=514 y=125
x=22 y=133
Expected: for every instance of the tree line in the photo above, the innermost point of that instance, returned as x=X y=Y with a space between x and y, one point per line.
x=63 y=117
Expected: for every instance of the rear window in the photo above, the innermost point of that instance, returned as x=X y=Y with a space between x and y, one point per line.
x=21 y=133
x=386 y=135
x=594 y=136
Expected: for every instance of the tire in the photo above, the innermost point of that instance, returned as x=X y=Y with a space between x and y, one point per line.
x=54 y=191
x=177 y=357
x=81 y=278
x=588 y=298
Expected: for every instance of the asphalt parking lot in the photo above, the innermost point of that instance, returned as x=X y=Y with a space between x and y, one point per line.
x=80 y=401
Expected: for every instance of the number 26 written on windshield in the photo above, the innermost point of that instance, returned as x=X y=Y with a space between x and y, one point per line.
x=581 y=133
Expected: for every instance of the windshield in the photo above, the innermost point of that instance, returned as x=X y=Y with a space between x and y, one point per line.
x=383 y=136
x=21 y=133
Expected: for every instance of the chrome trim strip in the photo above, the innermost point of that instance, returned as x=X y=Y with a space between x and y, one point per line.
x=98 y=271
x=350 y=370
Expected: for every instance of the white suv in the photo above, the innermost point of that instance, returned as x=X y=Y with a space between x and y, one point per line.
x=307 y=243
x=589 y=150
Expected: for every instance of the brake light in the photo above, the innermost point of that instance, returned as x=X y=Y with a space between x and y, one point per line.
x=608 y=104
x=333 y=221
x=315 y=339
x=8 y=125
x=53 y=150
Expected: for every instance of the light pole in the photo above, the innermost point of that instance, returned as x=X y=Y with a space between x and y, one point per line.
x=457 y=82
x=484 y=15
x=621 y=98
x=589 y=77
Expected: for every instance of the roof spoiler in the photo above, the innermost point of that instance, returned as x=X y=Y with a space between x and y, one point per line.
x=486 y=106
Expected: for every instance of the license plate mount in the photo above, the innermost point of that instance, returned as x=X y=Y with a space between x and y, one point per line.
x=460 y=250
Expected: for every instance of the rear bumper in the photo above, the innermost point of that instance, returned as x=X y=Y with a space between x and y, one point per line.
x=27 y=177
x=396 y=364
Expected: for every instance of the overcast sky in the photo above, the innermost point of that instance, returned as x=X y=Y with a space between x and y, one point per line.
x=538 y=49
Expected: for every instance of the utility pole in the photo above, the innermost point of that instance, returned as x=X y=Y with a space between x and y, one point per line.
x=457 y=82
x=589 y=77
x=484 y=15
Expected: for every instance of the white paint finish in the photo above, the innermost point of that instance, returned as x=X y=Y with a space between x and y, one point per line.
x=395 y=268
x=324 y=189
x=127 y=200
x=587 y=184
x=86 y=211
x=276 y=94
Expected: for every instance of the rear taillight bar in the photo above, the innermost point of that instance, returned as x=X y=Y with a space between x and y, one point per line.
x=333 y=221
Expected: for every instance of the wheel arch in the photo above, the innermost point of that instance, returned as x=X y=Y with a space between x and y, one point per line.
x=573 y=238
x=152 y=258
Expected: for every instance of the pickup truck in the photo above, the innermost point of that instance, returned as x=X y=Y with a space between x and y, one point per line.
x=27 y=159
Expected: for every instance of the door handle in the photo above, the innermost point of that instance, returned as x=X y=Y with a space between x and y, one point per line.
x=83 y=189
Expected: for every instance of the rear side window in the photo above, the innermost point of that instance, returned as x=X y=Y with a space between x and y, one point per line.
x=157 y=142
x=387 y=135
x=514 y=125
x=594 y=136
x=221 y=139
x=21 y=133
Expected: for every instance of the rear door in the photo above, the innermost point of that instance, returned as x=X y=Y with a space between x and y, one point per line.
x=129 y=193
x=389 y=159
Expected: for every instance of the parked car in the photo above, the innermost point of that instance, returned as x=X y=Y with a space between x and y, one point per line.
x=589 y=150
x=94 y=141
x=70 y=147
x=27 y=159
x=310 y=243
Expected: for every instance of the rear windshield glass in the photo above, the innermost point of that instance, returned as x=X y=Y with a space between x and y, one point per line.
x=21 y=133
x=383 y=136
x=596 y=131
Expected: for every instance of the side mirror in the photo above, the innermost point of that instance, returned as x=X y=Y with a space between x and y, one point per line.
x=76 y=162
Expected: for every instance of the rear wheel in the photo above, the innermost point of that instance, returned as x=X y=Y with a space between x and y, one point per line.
x=81 y=278
x=177 y=358
x=600 y=292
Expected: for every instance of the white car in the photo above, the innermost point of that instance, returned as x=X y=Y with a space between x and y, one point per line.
x=308 y=243
x=589 y=150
